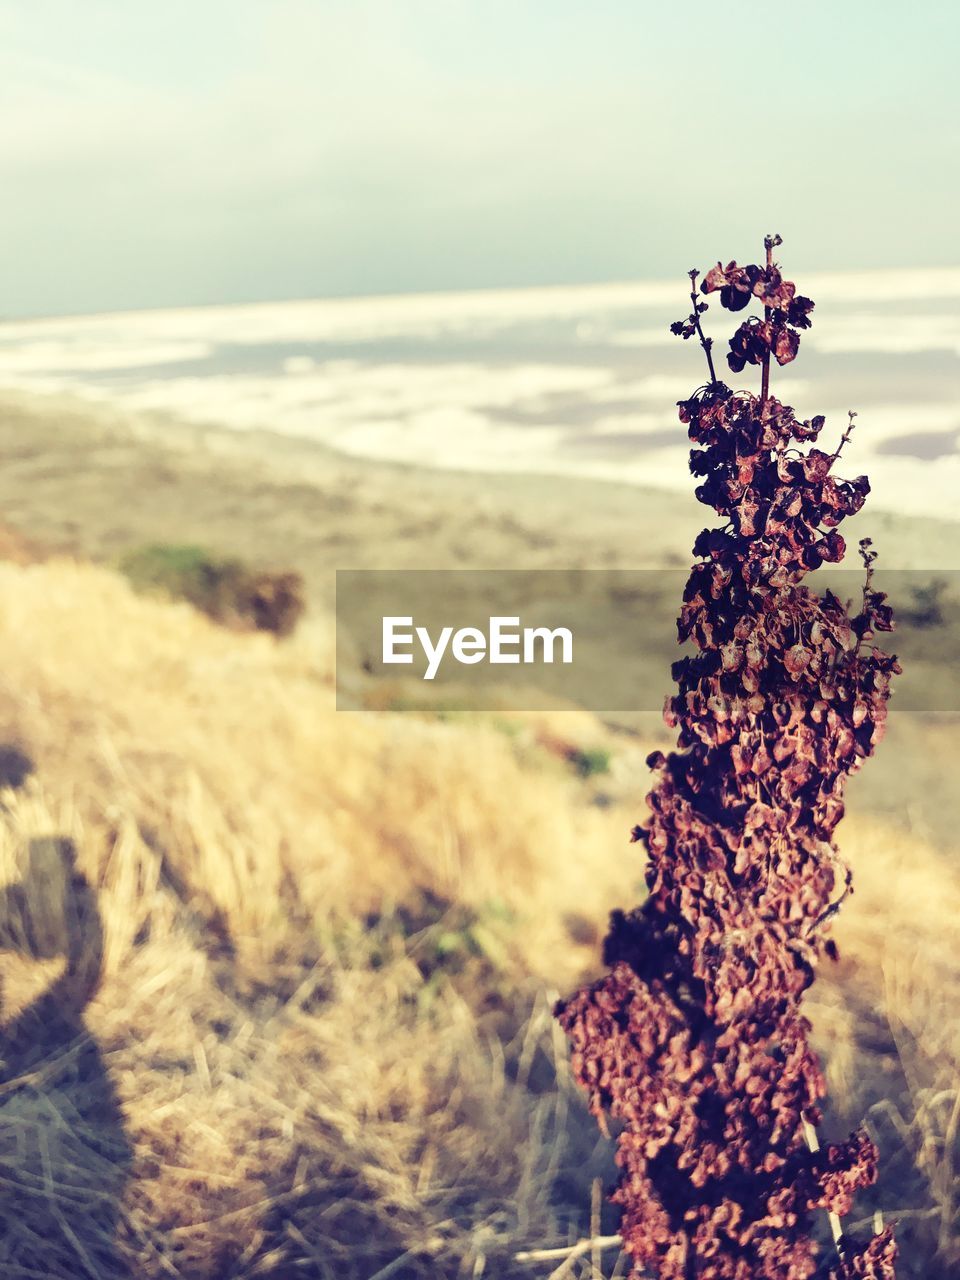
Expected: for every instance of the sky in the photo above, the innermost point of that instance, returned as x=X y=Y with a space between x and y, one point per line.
x=218 y=151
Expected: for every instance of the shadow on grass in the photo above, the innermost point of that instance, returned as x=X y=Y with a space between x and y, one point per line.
x=64 y=1154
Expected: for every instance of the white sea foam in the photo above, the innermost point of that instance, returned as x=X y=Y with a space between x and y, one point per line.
x=430 y=314
x=881 y=334
x=576 y=379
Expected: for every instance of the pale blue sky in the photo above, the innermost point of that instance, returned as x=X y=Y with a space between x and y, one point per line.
x=232 y=150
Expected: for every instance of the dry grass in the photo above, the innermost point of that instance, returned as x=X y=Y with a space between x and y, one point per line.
x=302 y=964
x=888 y=1030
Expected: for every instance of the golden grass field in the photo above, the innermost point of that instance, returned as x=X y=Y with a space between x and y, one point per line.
x=277 y=980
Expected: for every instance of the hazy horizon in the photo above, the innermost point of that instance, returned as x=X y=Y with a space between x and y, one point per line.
x=241 y=152
x=576 y=380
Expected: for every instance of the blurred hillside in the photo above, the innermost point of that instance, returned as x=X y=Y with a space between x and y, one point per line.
x=83 y=480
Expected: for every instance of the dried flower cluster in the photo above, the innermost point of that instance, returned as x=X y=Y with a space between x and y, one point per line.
x=695 y=1039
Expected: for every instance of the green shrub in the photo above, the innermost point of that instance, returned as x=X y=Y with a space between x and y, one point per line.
x=225 y=589
x=589 y=761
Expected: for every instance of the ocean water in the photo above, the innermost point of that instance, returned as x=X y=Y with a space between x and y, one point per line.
x=579 y=380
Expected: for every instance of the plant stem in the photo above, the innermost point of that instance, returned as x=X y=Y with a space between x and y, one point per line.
x=767 y=312
x=851 y=414
x=705 y=342
x=863 y=606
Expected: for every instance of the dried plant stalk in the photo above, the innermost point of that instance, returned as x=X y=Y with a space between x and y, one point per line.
x=695 y=1040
